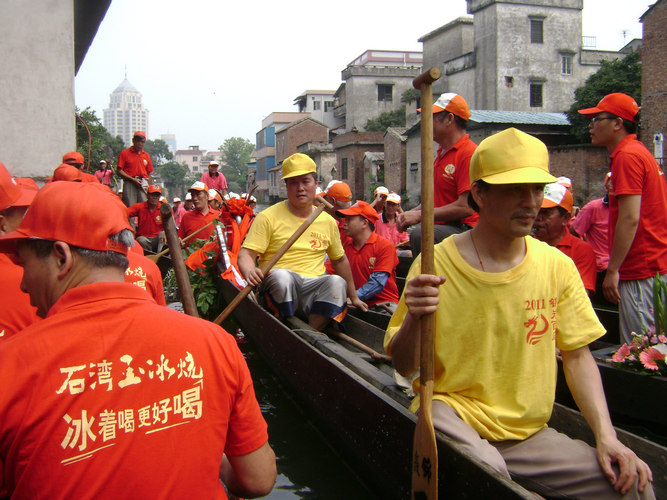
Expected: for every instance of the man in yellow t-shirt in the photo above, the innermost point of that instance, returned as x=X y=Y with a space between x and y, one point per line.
x=495 y=364
x=297 y=284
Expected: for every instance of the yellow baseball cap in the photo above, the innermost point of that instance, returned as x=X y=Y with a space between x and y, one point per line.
x=298 y=164
x=511 y=157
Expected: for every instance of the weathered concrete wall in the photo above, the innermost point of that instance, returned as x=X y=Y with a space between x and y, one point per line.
x=394 y=161
x=654 y=78
x=37 y=81
x=352 y=148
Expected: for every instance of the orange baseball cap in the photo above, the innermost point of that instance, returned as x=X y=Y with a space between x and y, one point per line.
x=9 y=189
x=80 y=214
x=73 y=157
x=338 y=190
x=617 y=104
x=140 y=133
x=361 y=208
x=557 y=195
x=154 y=188
x=29 y=189
x=67 y=172
x=453 y=103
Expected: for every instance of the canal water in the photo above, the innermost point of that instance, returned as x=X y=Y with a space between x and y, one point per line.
x=307 y=467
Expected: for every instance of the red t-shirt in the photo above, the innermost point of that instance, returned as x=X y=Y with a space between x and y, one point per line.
x=17 y=313
x=583 y=256
x=144 y=273
x=451 y=175
x=112 y=396
x=135 y=164
x=218 y=182
x=193 y=220
x=149 y=222
x=634 y=171
x=375 y=256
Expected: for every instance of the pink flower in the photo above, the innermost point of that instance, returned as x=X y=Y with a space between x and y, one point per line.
x=631 y=357
x=654 y=340
x=649 y=358
x=620 y=355
x=662 y=339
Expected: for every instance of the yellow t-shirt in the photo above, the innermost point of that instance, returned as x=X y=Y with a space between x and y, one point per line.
x=274 y=226
x=496 y=335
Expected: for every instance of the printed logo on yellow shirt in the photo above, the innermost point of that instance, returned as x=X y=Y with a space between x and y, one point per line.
x=319 y=241
x=538 y=325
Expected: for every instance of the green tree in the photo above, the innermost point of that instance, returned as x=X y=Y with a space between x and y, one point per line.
x=387 y=119
x=621 y=75
x=236 y=153
x=173 y=174
x=102 y=145
x=159 y=151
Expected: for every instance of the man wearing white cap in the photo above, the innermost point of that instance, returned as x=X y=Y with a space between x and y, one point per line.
x=507 y=302
x=450 y=173
x=214 y=179
x=200 y=216
x=551 y=227
x=297 y=284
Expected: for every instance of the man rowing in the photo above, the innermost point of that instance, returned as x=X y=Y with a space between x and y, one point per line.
x=503 y=303
x=297 y=285
x=202 y=214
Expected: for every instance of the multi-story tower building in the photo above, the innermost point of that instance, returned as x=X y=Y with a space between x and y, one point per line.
x=126 y=113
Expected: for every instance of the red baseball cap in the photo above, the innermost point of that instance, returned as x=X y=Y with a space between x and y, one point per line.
x=9 y=189
x=29 y=189
x=80 y=214
x=67 y=172
x=361 y=208
x=617 y=104
x=154 y=188
x=338 y=190
x=140 y=133
x=73 y=157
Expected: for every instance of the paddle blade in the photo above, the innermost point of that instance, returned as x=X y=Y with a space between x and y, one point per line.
x=154 y=258
x=425 y=451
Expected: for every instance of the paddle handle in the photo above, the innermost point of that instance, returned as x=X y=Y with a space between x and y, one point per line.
x=272 y=262
x=425 y=455
x=167 y=250
x=184 y=287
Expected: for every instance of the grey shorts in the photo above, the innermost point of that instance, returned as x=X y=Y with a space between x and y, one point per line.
x=286 y=293
x=636 y=307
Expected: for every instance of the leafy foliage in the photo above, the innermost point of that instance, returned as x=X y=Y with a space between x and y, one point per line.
x=102 y=145
x=621 y=75
x=173 y=174
x=236 y=153
x=410 y=94
x=387 y=119
x=158 y=151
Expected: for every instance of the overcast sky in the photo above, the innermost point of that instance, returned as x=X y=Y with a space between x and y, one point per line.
x=211 y=69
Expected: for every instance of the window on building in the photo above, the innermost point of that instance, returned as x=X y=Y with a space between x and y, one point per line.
x=194 y=158
x=509 y=81
x=566 y=64
x=380 y=172
x=384 y=93
x=195 y=169
x=328 y=105
x=343 y=168
x=414 y=171
x=537 y=31
x=536 y=94
x=316 y=105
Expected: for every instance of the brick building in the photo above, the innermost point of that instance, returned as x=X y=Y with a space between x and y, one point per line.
x=350 y=150
x=654 y=78
x=298 y=133
x=586 y=165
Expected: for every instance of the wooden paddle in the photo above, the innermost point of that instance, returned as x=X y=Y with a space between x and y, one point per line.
x=425 y=453
x=269 y=265
x=182 y=279
x=157 y=256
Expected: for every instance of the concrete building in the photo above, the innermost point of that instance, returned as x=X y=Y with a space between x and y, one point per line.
x=324 y=156
x=41 y=49
x=265 y=146
x=654 y=79
x=320 y=105
x=126 y=113
x=395 y=150
x=170 y=140
x=374 y=83
x=193 y=159
x=523 y=55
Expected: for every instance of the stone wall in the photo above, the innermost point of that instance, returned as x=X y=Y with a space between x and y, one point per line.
x=586 y=165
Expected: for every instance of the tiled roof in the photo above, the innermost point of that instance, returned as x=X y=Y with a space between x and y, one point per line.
x=518 y=117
